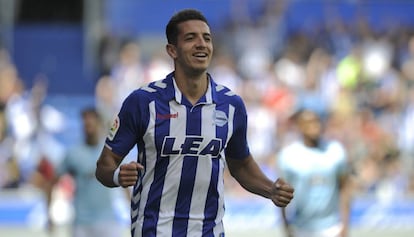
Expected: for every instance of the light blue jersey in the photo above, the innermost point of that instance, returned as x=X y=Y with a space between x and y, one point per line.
x=92 y=200
x=182 y=148
x=314 y=173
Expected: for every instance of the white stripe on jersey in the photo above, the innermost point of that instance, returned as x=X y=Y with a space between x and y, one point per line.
x=204 y=168
x=171 y=185
x=220 y=186
x=148 y=177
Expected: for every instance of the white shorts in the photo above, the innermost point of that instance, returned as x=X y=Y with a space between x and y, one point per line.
x=102 y=229
x=333 y=231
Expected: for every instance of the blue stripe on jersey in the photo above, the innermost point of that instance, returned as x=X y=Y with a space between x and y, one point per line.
x=185 y=193
x=137 y=190
x=210 y=211
x=154 y=199
x=152 y=208
x=212 y=202
x=188 y=174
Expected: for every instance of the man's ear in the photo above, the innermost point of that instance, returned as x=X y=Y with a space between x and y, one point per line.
x=171 y=50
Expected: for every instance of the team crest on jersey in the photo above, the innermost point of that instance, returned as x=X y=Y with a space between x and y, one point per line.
x=220 y=118
x=114 y=128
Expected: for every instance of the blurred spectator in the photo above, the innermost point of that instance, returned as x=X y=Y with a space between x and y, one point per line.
x=224 y=69
x=290 y=68
x=377 y=57
x=105 y=100
x=9 y=81
x=158 y=66
x=31 y=122
x=128 y=72
x=94 y=213
x=109 y=46
x=407 y=67
x=393 y=184
x=405 y=130
x=349 y=68
x=34 y=125
x=9 y=170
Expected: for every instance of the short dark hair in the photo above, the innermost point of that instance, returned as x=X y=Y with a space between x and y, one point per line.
x=171 y=30
x=91 y=111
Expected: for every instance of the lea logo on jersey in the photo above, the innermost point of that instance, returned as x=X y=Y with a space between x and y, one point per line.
x=192 y=145
x=114 y=128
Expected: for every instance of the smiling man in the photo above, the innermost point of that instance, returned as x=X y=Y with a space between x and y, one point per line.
x=187 y=128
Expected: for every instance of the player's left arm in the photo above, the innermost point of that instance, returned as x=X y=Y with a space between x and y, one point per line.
x=244 y=168
x=250 y=177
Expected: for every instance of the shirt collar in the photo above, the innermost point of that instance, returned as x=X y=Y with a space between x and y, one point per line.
x=208 y=98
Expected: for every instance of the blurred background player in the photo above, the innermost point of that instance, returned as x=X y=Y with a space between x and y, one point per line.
x=94 y=212
x=317 y=169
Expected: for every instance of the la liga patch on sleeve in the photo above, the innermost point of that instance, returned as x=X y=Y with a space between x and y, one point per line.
x=114 y=128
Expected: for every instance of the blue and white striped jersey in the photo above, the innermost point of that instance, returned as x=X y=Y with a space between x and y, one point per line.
x=182 y=148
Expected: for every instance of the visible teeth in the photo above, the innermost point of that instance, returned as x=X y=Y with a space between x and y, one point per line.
x=200 y=54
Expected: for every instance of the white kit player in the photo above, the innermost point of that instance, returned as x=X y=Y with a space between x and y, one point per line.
x=317 y=168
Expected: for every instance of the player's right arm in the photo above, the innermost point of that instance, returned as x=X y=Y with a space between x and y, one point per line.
x=122 y=137
x=108 y=162
x=106 y=165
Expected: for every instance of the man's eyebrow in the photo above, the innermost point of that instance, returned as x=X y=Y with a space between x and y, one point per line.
x=195 y=33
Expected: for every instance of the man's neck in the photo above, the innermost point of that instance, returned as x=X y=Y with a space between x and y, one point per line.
x=311 y=142
x=91 y=141
x=192 y=87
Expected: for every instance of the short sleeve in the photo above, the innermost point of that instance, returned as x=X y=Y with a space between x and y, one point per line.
x=237 y=147
x=124 y=130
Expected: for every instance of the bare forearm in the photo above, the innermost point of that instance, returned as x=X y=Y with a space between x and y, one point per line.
x=257 y=184
x=251 y=178
x=105 y=175
x=106 y=165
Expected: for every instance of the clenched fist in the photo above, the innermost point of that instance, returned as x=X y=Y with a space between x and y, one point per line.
x=129 y=173
x=282 y=193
